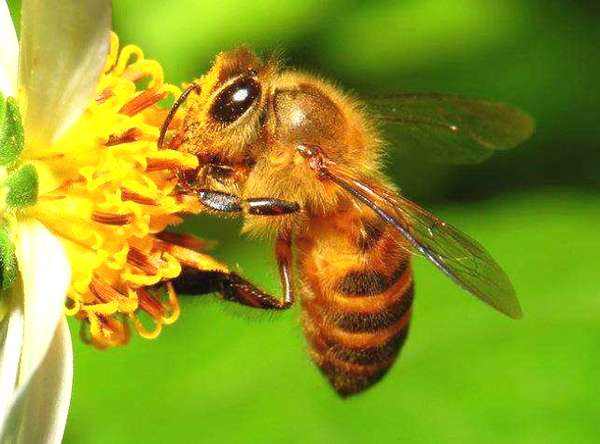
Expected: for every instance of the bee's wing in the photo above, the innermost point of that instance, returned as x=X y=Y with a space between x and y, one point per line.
x=461 y=258
x=64 y=45
x=451 y=128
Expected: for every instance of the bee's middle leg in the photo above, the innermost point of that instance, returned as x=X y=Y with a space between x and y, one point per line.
x=261 y=206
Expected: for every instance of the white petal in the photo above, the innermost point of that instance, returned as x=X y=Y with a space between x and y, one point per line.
x=46 y=277
x=39 y=412
x=45 y=367
x=9 y=52
x=11 y=340
x=64 y=44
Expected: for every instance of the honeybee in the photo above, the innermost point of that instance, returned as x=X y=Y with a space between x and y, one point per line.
x=302 y=161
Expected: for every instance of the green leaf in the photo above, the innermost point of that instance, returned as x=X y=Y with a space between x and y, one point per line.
x=14 y=6
x=22 y=187
x=8 y=260
x=12 y=138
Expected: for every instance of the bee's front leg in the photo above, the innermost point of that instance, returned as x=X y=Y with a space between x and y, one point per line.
x=261 y=206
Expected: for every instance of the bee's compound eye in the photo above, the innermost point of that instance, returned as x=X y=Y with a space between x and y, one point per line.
x=235 y=100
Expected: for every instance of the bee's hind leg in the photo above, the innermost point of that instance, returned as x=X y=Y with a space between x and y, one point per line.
x=231 y=286
x=235 y=288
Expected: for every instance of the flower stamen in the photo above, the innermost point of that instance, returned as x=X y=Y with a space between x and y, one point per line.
x=105 y=292
x=112 y=218
x=162 y=164
x=150 y=305
x=130 y=135
x=149 y=265
x=185 y=240
x=104 y=96
x=144 y=100
x=190 y=258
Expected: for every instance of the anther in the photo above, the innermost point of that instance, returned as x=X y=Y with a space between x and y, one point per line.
x=184 y=240
x=112 y=219
x=104 y=96
x=149 y=304
x=131 y=135
x=144 y=262
x=127 y=194
x=142 y=101
x=104 y=292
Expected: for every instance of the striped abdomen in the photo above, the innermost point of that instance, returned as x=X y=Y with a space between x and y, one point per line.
x=357 y=298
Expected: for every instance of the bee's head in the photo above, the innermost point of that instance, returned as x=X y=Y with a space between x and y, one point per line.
x=224 y=117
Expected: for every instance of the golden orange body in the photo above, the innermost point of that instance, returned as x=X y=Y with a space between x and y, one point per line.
x=356 y=298
x=356 y=282
x=302 y=161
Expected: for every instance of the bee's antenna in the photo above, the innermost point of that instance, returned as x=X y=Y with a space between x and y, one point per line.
x=182 y=98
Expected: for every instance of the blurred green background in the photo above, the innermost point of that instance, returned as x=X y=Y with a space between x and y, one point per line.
x=467 y=374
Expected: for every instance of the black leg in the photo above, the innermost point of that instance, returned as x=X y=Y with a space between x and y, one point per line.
x=270 y=207
x=219 y=201
x=198 y=282
x=233 y=287
x=230 y=203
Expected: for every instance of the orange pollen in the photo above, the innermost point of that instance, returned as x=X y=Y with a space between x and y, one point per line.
x=137 y=198
x=142 y=101
x=185 y=256
x=161 y=164
x=184 y=240
x=104 y=95
x=150 y=305
x=144 y=262
x=112 y=219
x=131 y=135
x=104 y=292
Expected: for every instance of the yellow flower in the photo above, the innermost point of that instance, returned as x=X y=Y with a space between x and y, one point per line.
x=93 y=195
x=108 y=192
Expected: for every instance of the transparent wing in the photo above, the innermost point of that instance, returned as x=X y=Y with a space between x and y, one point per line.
x=461 y=258
x=451 y=128
x=64 y=44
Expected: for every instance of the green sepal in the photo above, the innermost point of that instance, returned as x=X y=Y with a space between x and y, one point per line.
x=8 y=260
x=22 y=187
x=12 y=138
